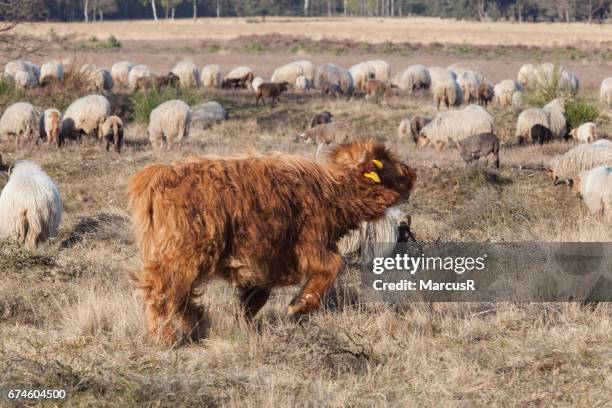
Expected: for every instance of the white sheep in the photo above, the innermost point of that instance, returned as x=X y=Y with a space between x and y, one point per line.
x=21 y=121
x=25 y=79
x=101 y=80
x=568 y=82
x=287 y=73
x=308 y=68
x=468 y=82
x=139 y=71
x=371 y=240
x=302 y=83
x=51 y=71
x=517 y=101
x=503 y=92
x=85 y=116
x=327 y=73
x=565 y=167
x=453 y=126
x=446 y=90
x=244 y=73
x=551 y=116
x=605 y=91
x=459 y=69
x=525 y=74
x=585 y=133
x=211 y=76
x=595 y=188
x=256 y=82
x=30 y=206
x=188 y=73
x=361 y=73
x=120 y=71
x=49 y=126
x=12 y=67
x=413 y=78
x=170 y=121
x=382 y=70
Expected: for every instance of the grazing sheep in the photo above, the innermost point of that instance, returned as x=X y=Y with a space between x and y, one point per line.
x=413 y=78
x=112 y=132
x=211 y=76
x=321 y=118
x=540 y=134
x=585 y=133
x=13 y=67
x=595 y=188
x=191 y=228
x=469 y=84
x=120 y=71
x=270 y=90
x=556 y=111
x=371 y=240
x=568 y=82
x=169 y=122
x=361 y=74
x=547 y=73
x=51 y=72
x=169 y=80
x=517 y=101
x=25 y=79
x=454 y=126
x=21 y=121
x=346 y=83
x=374 y=87
x=327 y=74
x=204 y=115
x=485 y=94
x=551 y=116
x=527 y=119
x=382 y=70
x=302 y=83
x=412 y=126
x=49 y=126
x=287 y=73
x=605 y=91
x=143 y=84
x=504 y=91
x=256 y=82
x=139 y=71
x=525 y=74
x=188 y=73
x=564 y=168
x=447 y=91
x=308 y=68
x=326 y=134
x=243 y=75
x=30 y=206
x=459 y=69
x=101 y=80
x=85 y=116
x=480 y=145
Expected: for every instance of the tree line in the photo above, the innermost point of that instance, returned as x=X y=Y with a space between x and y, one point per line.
x=479 y=10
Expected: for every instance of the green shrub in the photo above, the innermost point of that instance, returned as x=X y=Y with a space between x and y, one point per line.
x=145 y=101
x=578 y=111
x=255 y=47
x=544 y=88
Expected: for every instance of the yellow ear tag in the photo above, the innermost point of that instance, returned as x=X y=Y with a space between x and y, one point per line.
x=377 y=163
x=372 y=175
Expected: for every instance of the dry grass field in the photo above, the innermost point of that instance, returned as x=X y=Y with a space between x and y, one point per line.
x=375 y=30
x=69 y=316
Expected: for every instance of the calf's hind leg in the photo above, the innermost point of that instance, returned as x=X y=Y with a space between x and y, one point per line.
x=321 y=273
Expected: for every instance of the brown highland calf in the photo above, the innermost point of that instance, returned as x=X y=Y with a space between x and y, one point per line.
x=270 y=90
x=258 y=222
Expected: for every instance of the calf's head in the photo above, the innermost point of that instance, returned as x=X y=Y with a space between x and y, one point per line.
x=376 y=164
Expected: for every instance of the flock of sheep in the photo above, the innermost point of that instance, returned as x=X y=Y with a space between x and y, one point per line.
x=587 y=168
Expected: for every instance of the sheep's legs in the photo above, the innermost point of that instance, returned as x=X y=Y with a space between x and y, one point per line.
x=252 y=299
x=323 y=273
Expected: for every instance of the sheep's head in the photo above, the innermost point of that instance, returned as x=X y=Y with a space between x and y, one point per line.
x=283 y=86
x=376 y=164
x=304 y=137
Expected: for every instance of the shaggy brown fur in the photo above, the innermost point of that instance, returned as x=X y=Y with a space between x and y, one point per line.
x=258 y=222
x=374 y=87
x=485 y=94
x=417 y=123
x=270 y=90
x=142 y=84
x=170 y=80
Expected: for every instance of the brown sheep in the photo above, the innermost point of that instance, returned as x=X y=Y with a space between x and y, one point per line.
x=112 y=131
x=258 y=222
x=327 y=134
x=270 y=90
x=480 y=145
x=374 y=87
x=321 y=118
x=485 y=94
x=170 y=80
x=143 y=84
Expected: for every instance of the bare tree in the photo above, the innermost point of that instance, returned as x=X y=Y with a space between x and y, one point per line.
x=86 y=10
x=15 y=13
x=305 y=8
